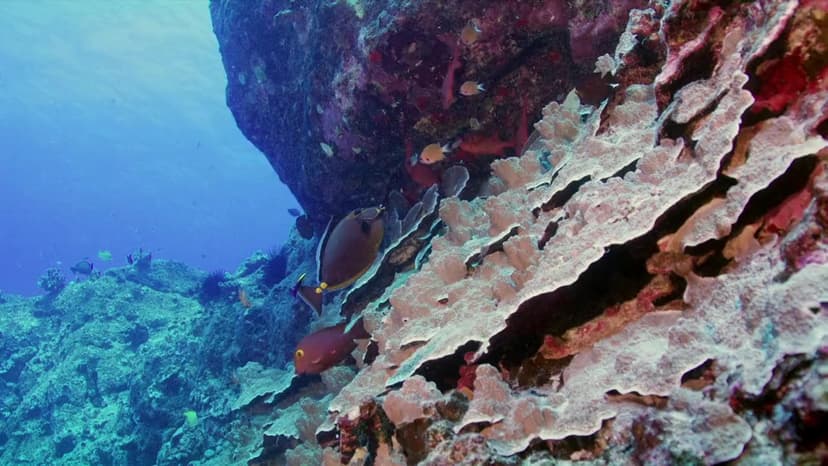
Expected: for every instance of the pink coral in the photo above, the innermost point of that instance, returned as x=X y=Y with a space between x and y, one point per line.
x=781 y=218
x=467 y=374
x=724 y=270
x=781 y=82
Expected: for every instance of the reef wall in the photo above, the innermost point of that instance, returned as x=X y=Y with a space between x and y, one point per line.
x=338 y=95
x=645 y=284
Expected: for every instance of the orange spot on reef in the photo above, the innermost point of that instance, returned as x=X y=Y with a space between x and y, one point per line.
x=554 y=56
x=375 y=57
x=781 y=82
x=467 y=375
x=482 y=144
x=421 y=103
x=423 y=175
x=792 y=209
x=243 y=299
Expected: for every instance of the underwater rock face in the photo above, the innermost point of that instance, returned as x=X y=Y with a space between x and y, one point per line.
x=338 y=94
x=645 y=284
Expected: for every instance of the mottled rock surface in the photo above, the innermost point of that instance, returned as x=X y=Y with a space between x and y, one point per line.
x=338 y=94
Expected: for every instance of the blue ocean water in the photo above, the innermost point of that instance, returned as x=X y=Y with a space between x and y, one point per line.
x=114 y=135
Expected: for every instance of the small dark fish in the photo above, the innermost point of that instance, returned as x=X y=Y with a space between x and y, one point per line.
x=304 y=227
x=83 y=267
x=307 y=294
x=139 y=258
x=294 y=212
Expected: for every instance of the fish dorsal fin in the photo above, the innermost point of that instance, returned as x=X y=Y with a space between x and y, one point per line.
x=370 y=214
x=322 y=241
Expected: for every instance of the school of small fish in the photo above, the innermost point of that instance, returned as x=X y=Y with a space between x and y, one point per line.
x=474 y=144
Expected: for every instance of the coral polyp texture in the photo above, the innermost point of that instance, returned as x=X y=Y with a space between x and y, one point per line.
x=647 y=282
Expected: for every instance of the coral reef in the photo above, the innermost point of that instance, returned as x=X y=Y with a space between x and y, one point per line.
x=52 y=281
x=103 y=371
x=632 y=285
x=140 y=259
x=213 y=287
x=640 y=281
x=275 y=268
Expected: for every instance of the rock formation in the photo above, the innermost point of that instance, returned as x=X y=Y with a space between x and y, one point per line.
x=338 y=95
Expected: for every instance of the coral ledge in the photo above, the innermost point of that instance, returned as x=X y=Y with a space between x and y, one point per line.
x=645 y=283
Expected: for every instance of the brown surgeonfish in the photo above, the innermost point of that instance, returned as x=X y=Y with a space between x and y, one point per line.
x=347 y=250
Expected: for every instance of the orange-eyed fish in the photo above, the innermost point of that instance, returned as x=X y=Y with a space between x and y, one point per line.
x=345 y=252
x=326 y=348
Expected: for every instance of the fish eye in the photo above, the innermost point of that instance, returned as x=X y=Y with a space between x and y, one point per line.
x=300 y=353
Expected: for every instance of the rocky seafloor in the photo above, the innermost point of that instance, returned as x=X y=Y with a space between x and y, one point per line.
x=644 y=281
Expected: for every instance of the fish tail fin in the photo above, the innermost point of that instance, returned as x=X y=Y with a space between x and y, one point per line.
x=451 y=146
x=308 y=294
